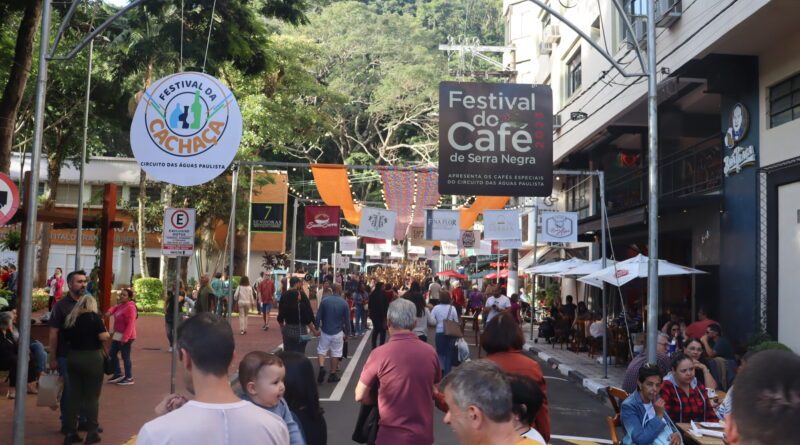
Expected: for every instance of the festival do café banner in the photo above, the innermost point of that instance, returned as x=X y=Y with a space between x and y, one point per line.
x=495 y=139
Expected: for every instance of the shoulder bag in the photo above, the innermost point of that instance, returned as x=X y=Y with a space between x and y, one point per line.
x=452 y=328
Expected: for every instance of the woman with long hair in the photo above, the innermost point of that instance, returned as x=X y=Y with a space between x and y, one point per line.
x=378 y=308
x=302 y=397
x=424 y=317
x=86 y=337
x=445 y=345
x=56 y=286
x=694 y=350
x=124 y=333
x=245 y=298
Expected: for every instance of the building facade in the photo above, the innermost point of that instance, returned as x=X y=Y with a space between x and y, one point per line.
x=729 y=176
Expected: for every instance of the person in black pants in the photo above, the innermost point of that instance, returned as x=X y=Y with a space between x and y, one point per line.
x=295 y=317
x=302 y=396
x=378 y=308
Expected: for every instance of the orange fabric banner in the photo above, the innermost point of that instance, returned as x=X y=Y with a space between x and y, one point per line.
x=334 y=188
x=469 y=215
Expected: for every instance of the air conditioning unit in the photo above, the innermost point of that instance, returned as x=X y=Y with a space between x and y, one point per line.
x=556 y=122
x=668 y=12
x=640 y=32
x=545 y=48
x=551 y=34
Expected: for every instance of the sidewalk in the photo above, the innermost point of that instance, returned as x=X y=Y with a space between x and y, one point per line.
x=577 y=367
x=124 y=409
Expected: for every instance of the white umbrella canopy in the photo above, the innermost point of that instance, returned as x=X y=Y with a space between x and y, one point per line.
x=636 y=267
x=587 y=268
x=556 y=267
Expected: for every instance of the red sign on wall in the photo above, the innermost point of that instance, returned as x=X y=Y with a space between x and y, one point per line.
x=321 y=221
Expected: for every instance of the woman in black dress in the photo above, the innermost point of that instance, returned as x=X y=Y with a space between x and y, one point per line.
x=302 y=397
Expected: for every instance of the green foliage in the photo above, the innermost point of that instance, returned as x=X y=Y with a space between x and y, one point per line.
x=39 y=299
x=11 y=241
x=148 y=293
x=758 y=338
x=770 y=345
x=552 y=291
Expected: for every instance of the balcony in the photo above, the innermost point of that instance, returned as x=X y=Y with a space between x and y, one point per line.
x=692 y=171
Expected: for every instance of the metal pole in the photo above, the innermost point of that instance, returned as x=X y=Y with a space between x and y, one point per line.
x=294 y=236
x=176 y=309
x=79 y=236
x=601 y=177
x=513 y=261
x=333 y=258
x=26 y=285
x=319 y=259
x=652 y=226
x=249 y=222
x=232 y=229
x=535 y=259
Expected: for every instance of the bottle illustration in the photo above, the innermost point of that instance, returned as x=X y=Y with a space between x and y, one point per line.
x=197 y=111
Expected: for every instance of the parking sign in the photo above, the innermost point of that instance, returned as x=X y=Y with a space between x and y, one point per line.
x=177 y=238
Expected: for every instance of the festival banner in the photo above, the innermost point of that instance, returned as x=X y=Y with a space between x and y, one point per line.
x=449 y=248
x=321 y=221
x=416 y=250
x=377 y=223
x=483 y=248
x=509 y=244
x=348 y=244
x=374 y=250
x=559 y=227
x=501 y=225
x=495 y=139
x=396 y=251
x=358 y=254
x=442 y=224
x=468 y=239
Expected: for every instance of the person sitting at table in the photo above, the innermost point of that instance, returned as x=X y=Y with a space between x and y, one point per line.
x=644 y=415
x=694 y=350
x=766 y=405
x=675 y=337
x=686 y=398
x=632 y=373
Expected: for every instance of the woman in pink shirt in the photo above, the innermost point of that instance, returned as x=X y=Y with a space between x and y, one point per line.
x=124 y=333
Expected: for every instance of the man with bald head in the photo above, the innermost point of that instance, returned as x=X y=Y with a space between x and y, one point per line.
x=333 y=320
x=205 y=298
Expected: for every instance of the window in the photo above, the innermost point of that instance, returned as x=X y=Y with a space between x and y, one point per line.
x=596 y=31
x=636 y=10
x=546 y=20
x=784 y=101
x=67 y=194
x=577 y=193
x=574 y=73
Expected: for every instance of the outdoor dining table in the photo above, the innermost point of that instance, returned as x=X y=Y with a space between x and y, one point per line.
x=689 y=438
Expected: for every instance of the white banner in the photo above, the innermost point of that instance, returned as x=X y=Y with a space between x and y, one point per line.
x=501 y=225
x=186 y=129
x=416 y=250
x=357 y=255
x=377 y=223
x=449 y=248
x=442 y=224
x=483 y=248
x=341 y=261
x=509 y=244
x=559 y=227
x=374 y=250
x=177 y=236
x=348 y=244
x=430 y=253
x=396 y=252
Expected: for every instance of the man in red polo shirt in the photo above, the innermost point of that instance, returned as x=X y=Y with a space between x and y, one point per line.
x=266 y=292
x=698 y=328
x=406 y=371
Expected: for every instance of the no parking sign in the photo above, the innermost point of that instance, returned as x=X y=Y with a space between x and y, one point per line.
x=9 y=199
x=177 y=238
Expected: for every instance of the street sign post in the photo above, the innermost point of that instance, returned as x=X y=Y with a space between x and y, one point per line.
x=9 y=199
x=177 y=240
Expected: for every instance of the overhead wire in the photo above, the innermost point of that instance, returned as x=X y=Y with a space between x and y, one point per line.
x=210 y=27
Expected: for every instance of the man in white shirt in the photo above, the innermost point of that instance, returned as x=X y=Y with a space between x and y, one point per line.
x=216 y=415
x=495 y=305
x=433 y=291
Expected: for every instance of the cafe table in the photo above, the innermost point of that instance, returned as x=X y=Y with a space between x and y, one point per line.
x=689 y=438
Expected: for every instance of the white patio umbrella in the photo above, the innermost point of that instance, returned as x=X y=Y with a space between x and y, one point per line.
x=587 y=268
x=636 y=267
x=556 y=267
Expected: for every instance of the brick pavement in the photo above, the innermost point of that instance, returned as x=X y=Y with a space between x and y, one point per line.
x=123 y=409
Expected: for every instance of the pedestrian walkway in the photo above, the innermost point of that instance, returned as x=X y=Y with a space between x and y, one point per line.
x=578 y=367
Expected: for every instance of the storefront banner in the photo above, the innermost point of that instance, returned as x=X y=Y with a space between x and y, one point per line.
x=509 y=244
x=416 y=250
x=468 y=239
x=483 y=248
x=267 y=217
x=377 y=223
x=186 y=129
x=416 y=233
x=449 y=248
x=442 y=224
x=501 y=224
x=559 y=227
x=357 y=255
x=341 y=261
x=396 y=251
x=495 y=139
x=348 y=244
x=321 y=221
x=374 y=250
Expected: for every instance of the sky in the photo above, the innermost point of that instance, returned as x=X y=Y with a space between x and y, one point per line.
x=117 y=2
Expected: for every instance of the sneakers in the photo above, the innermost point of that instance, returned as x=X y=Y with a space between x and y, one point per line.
x=72 y=437
x=126 y=381
x=321 y=376
x=116 y=379
x=333 y=378
x=92 y=438
x=264 y=328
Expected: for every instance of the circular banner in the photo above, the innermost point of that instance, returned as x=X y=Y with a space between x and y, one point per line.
x=186 y=129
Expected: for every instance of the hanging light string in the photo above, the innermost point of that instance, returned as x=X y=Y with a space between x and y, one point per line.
x=210 y=27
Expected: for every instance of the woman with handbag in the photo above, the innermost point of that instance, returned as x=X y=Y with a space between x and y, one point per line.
x=124 y=333
x=244 y=297
x=295 y=317
x=446 y=331
x=86 y=338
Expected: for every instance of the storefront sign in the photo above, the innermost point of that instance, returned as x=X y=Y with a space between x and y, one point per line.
x=442 y=224
x=740 y=156
x=267 y=217
x=483 y=248
x=559 y=227
x=449 y=248
x=321 y=221
x=348 y=244
x=9 y=198
x=377 y=223
x=468 y=239
x=509 y=244
x=495 y=139
x=501 y=224
x=186 y=129
x=177 y=237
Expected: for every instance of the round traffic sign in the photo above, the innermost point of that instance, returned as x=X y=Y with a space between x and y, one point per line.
x=9 y=199
x=180 y=219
